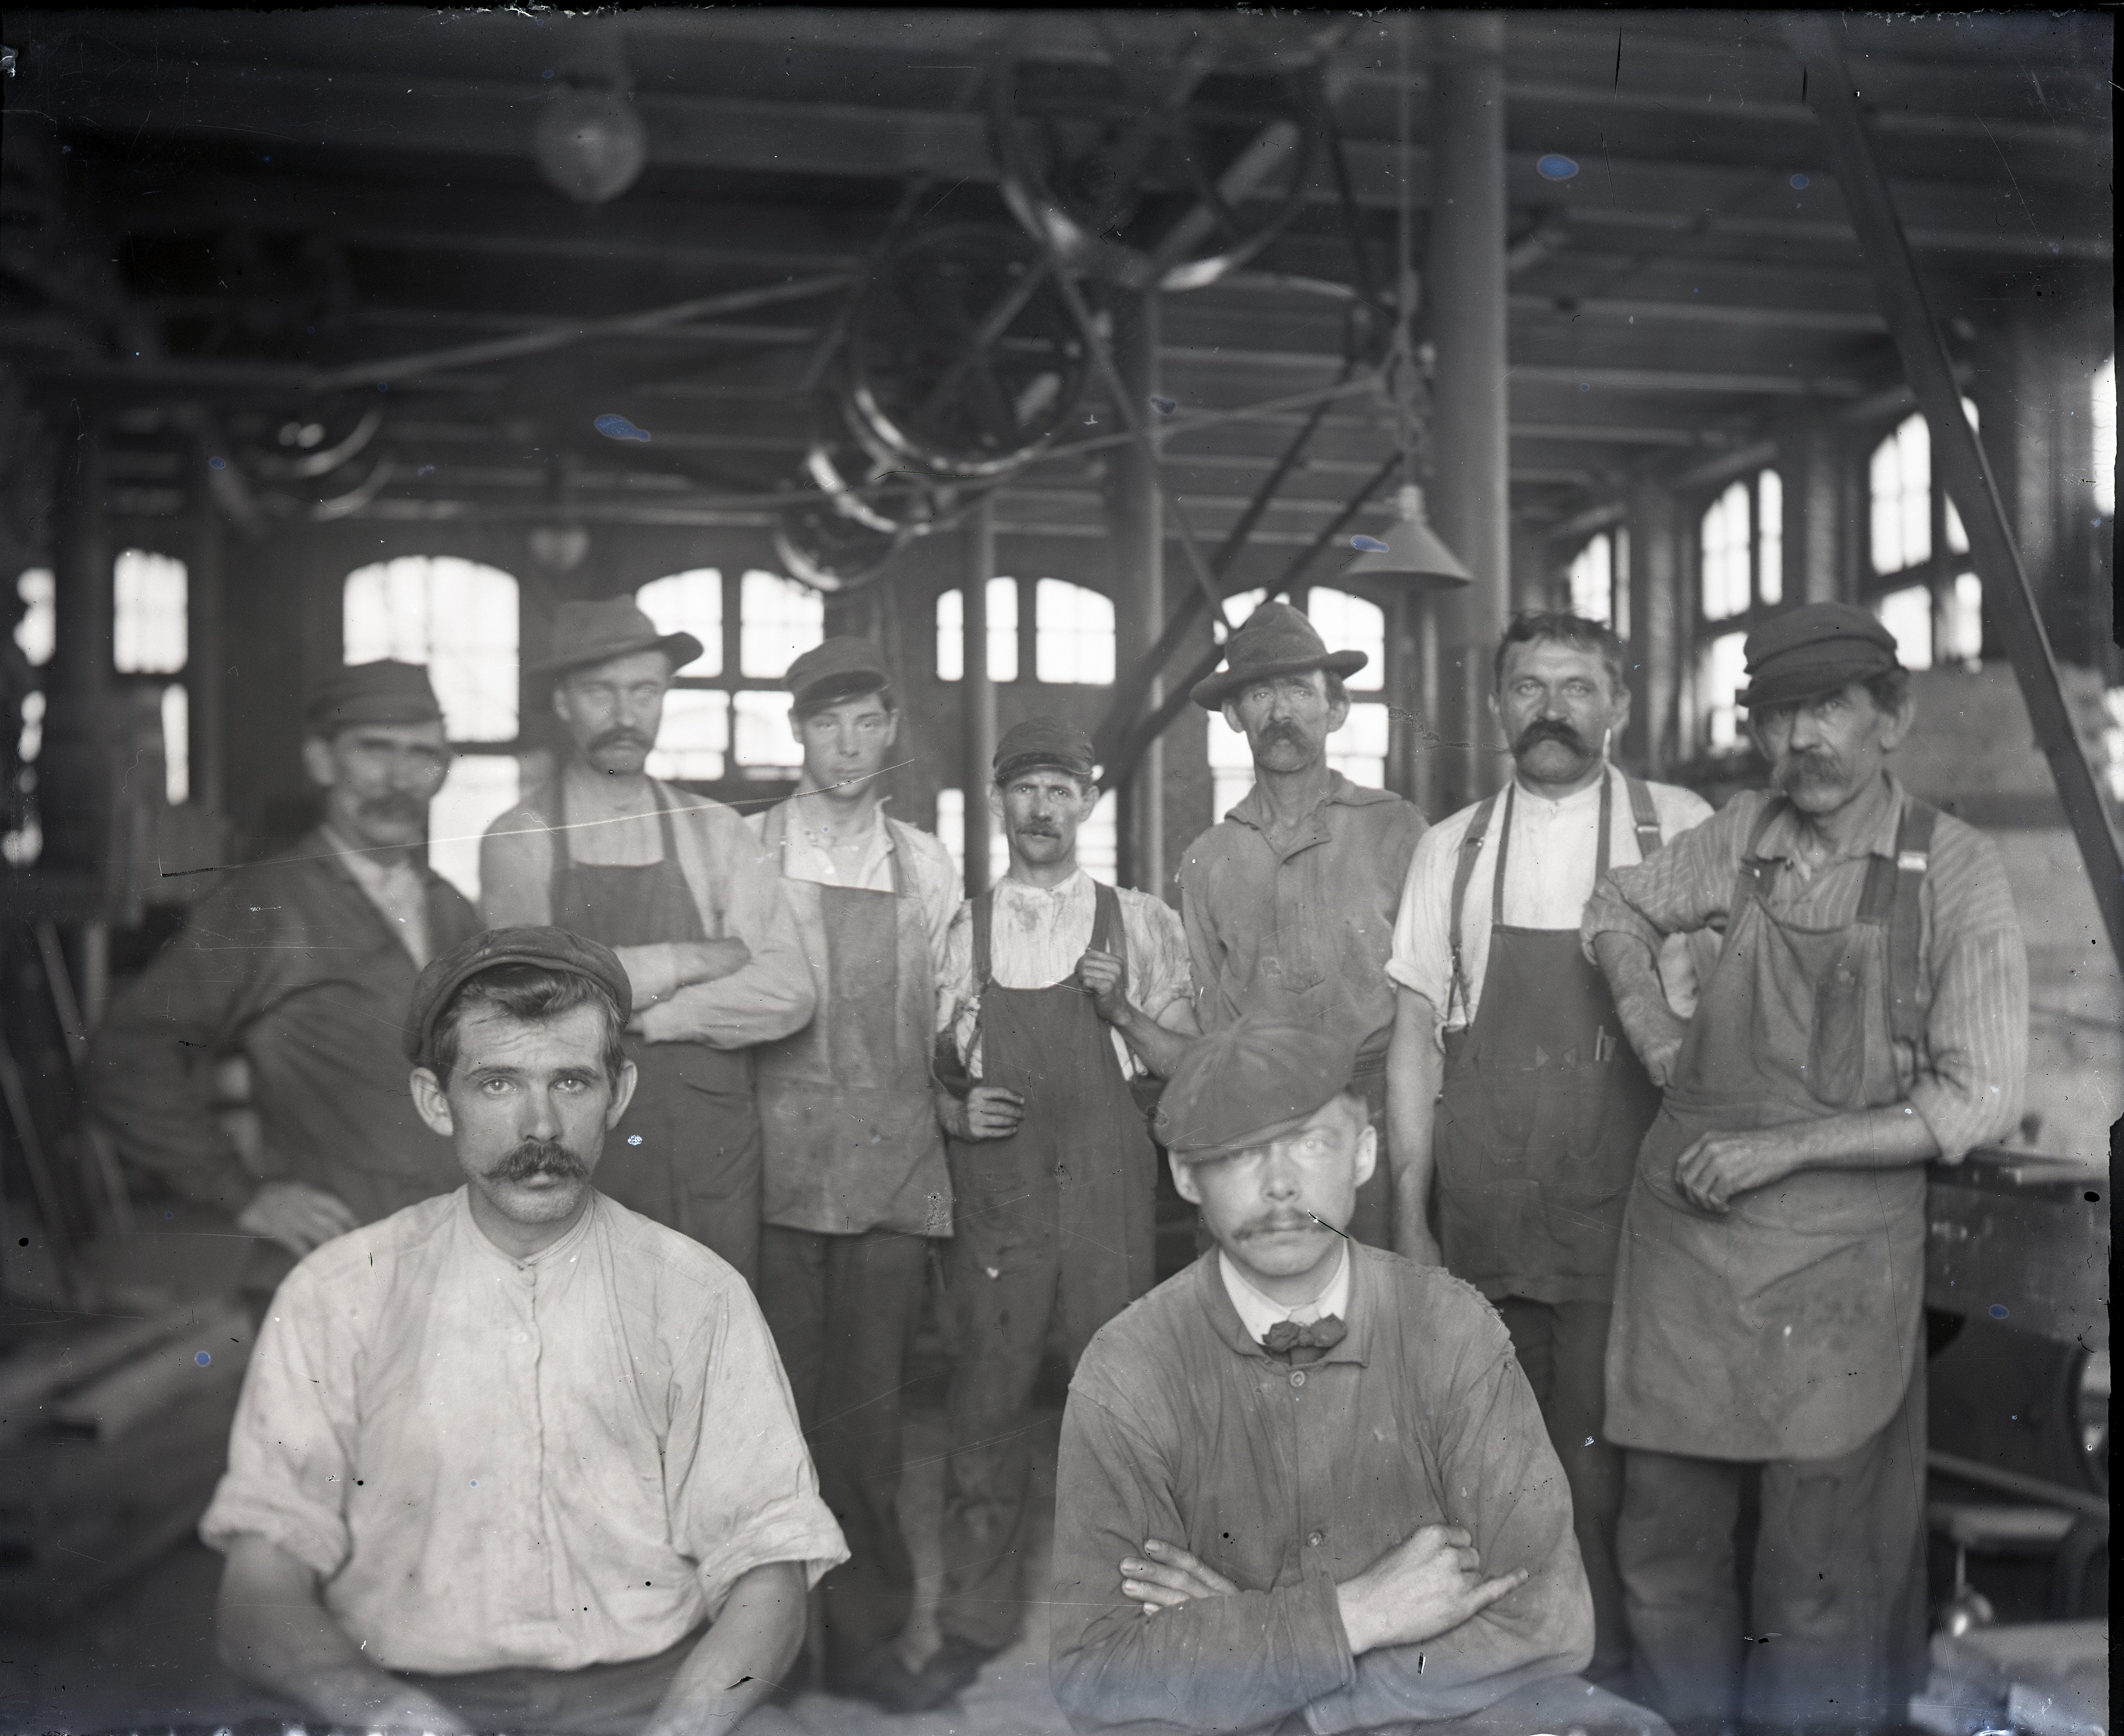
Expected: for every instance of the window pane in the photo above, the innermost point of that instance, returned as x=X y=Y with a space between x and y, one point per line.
x=778 y=620
x=1900 y=487
x=176 y=745
x=1359 y=749
x=1073 y=633
x=1591 y=580
x=148 y=633
x=1098 y=840
x=1770 y=537
x=35 y=632
x=1351 y=624
x=1242 y=604
x=1907 y=613
x=1723 y=543
x=952 y=833
x=480 y=789
x=1722 y=668
x=693 y=742
x=767 y=747
x=689 y=602
x=1961 y=620
x=1002 y=633
x=2104 y=409
x=1231 y=767
x=457 y=617
x=32 y=741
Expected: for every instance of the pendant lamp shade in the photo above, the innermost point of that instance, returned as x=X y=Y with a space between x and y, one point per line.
x=1414 y=555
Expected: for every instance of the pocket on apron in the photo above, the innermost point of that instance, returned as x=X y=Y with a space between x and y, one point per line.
x=1837 y=1048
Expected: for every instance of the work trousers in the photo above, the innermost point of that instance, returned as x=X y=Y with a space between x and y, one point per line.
x=1832 y=1633
x=843 y=1310
x=1564 y=1703
x=1562 y=1350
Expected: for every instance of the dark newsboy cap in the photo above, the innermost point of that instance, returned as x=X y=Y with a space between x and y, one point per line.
x=557 y=949
x=1818 y=648
x=1276 y=640
x=841 y=668
x=1251 y=1076
x=372 y=693
x=585 y=634
x=1044 y=742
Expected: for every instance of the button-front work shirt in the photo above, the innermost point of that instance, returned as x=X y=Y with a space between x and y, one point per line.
x=1258 y=1310
x=487 y=1462
x=1289 y=1480
x=1972 y=963
x=810 y=854
x=1548 y=877
x=398 y=889
x=1303 y=933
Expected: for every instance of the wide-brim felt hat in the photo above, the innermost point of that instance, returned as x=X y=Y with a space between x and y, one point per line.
x=591 y=632
x=1276 y=640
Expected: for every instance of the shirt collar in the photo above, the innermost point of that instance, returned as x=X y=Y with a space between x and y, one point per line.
x=1779 y=838
x=1258 y=1311
x=1560 y=804
x=1037 y=895
x=362 y=864
x=1356 y=1292
x=1253 y=809
x=561 y=1251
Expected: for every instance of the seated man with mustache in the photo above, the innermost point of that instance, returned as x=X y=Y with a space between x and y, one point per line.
x=1303 y=1486
x=517 y=1457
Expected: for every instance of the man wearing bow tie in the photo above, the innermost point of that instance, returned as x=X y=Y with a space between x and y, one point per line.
x=1303 y=1486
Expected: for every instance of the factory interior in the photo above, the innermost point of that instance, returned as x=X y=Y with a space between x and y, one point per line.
x=1038 y=348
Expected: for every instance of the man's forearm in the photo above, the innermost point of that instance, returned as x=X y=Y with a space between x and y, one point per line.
x=1631 y=968
x=272 y=1628
x=1414 y=1070
x=1886 y=1138
x=1159 y=1048
x=741 y=1659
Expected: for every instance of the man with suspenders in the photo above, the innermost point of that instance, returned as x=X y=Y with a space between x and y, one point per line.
x=1056 y=991
x=855 y=1176
x=1868 y=1014
x=1511 y=1086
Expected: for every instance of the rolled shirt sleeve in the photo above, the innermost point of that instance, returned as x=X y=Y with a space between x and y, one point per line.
x=1159 y=970
x=1422 y=956
x=1971 y=1080
x=1686 y=886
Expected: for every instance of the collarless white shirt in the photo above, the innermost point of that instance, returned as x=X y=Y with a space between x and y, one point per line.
x=1258 y=1311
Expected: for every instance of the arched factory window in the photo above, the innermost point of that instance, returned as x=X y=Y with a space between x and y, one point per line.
x=779 y=619
x=151 y=627
x=1591 y=579
x=1359 y=749
x=689 y=602
x=2101 y=409
x=719 y=725
x=1740 y=555
x=460 y=619
x=1098 y=838
x=1073 y=634
x=1923 y=595
x=22 y=831
x=36 y=633
x=1002 y=633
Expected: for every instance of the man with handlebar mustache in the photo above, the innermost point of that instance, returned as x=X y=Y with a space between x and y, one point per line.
x=676 y=885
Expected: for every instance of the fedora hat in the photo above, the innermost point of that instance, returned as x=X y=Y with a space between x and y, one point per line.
x=1277 y=640
x=589 y=633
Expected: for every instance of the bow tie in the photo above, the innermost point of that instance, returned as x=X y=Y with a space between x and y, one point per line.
x=1286 y=1336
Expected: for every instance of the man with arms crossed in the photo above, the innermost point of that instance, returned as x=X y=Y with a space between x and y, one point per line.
x=517 y=1457
x=1868 y=1015
x=1303 y=1486
x=1534 y=1140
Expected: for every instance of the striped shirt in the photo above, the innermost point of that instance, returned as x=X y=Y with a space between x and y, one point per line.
x=1972 y=969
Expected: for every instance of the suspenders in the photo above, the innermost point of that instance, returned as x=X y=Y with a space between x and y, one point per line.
x=1644 y=821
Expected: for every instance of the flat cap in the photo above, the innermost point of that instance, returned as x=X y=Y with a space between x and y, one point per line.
x=1814 y=649
x=585 y=634
x=1250 y=1077
x=841 y=668
x=1274 y=640
x=372 y=693
x=1045 y=741
x=557 y=949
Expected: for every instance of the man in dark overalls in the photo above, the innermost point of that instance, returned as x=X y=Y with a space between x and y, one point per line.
x=1868 y=1015
x=856 y=1181
x=1533 y=1142
x=673 y=883
x=1056 y=990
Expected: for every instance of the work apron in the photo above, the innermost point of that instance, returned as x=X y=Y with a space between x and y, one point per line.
x=1790 y=1327
x=687 y=1153
x=1544 y=1103
x=845 y=1109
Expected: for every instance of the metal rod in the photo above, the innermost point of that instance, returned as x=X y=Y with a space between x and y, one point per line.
x=1958 y=460
x=977 y=699
x=43 y=1183
x=60 y=981
x=2013 y=1483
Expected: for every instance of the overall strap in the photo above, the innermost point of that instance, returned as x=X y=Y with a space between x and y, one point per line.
x=983 y=910
x=1504 y=851
x=1605 y=824
x=894 y=845
x=561 y=857
x=1913 y=858
x=1463 y=870
x=1646 y=817
x=1755 y=876
x=1107 y=933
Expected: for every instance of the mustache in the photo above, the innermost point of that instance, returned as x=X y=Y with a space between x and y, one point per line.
x=536 y=1157
x=1282 y=731
x=1039 y=829
x=1275 y=1223
x=619 y=736
x=1550 y=729
x=1804 y=765
x=395 y=805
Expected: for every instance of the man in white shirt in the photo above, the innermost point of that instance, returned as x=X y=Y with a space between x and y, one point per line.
x=516 y=1456
x=1056 y=991
x=1511 y=1083
x=855 y=1181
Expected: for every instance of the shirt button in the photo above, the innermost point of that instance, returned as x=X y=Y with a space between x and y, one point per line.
x=1317 y=1539
x=1298 y=1377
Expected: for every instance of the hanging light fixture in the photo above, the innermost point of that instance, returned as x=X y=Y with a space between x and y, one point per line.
x=590 y=142
x=1412 y=554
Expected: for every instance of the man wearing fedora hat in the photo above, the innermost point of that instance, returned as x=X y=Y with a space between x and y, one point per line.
x=294 y=970
x=675 y=885
x=1290 y=899
x=1868 y=1015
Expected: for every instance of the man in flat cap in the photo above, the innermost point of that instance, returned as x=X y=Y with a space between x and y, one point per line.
x=1509 y=1083
x=517 y=1457
x=295 y=972
x=1057 y=990
x=1290 y=899
x=856 y=1180
x=674 y=884
x=1303 y=1485
x=1868 y=1015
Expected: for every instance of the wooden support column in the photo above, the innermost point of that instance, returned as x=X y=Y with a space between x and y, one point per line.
x=977 y=705
x=1135 y=513
x=1655 y=643
x=1471 y=461
x=206 y=661
x=1812 y=460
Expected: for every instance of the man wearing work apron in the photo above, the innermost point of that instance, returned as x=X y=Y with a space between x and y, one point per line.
x=855 y=1175
x=673 y=883
x=1509 y=1084
x=1867 y=1015
x=1055 y=990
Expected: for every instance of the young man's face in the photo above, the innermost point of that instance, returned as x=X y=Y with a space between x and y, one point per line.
x=528 y=1107
x=1040 y=811
x=1287 y=719
x=845 y=744
x=379 y=779
x=1824 y=753
x=1558 y=704
x=1275 y=1205
x=613 y=710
